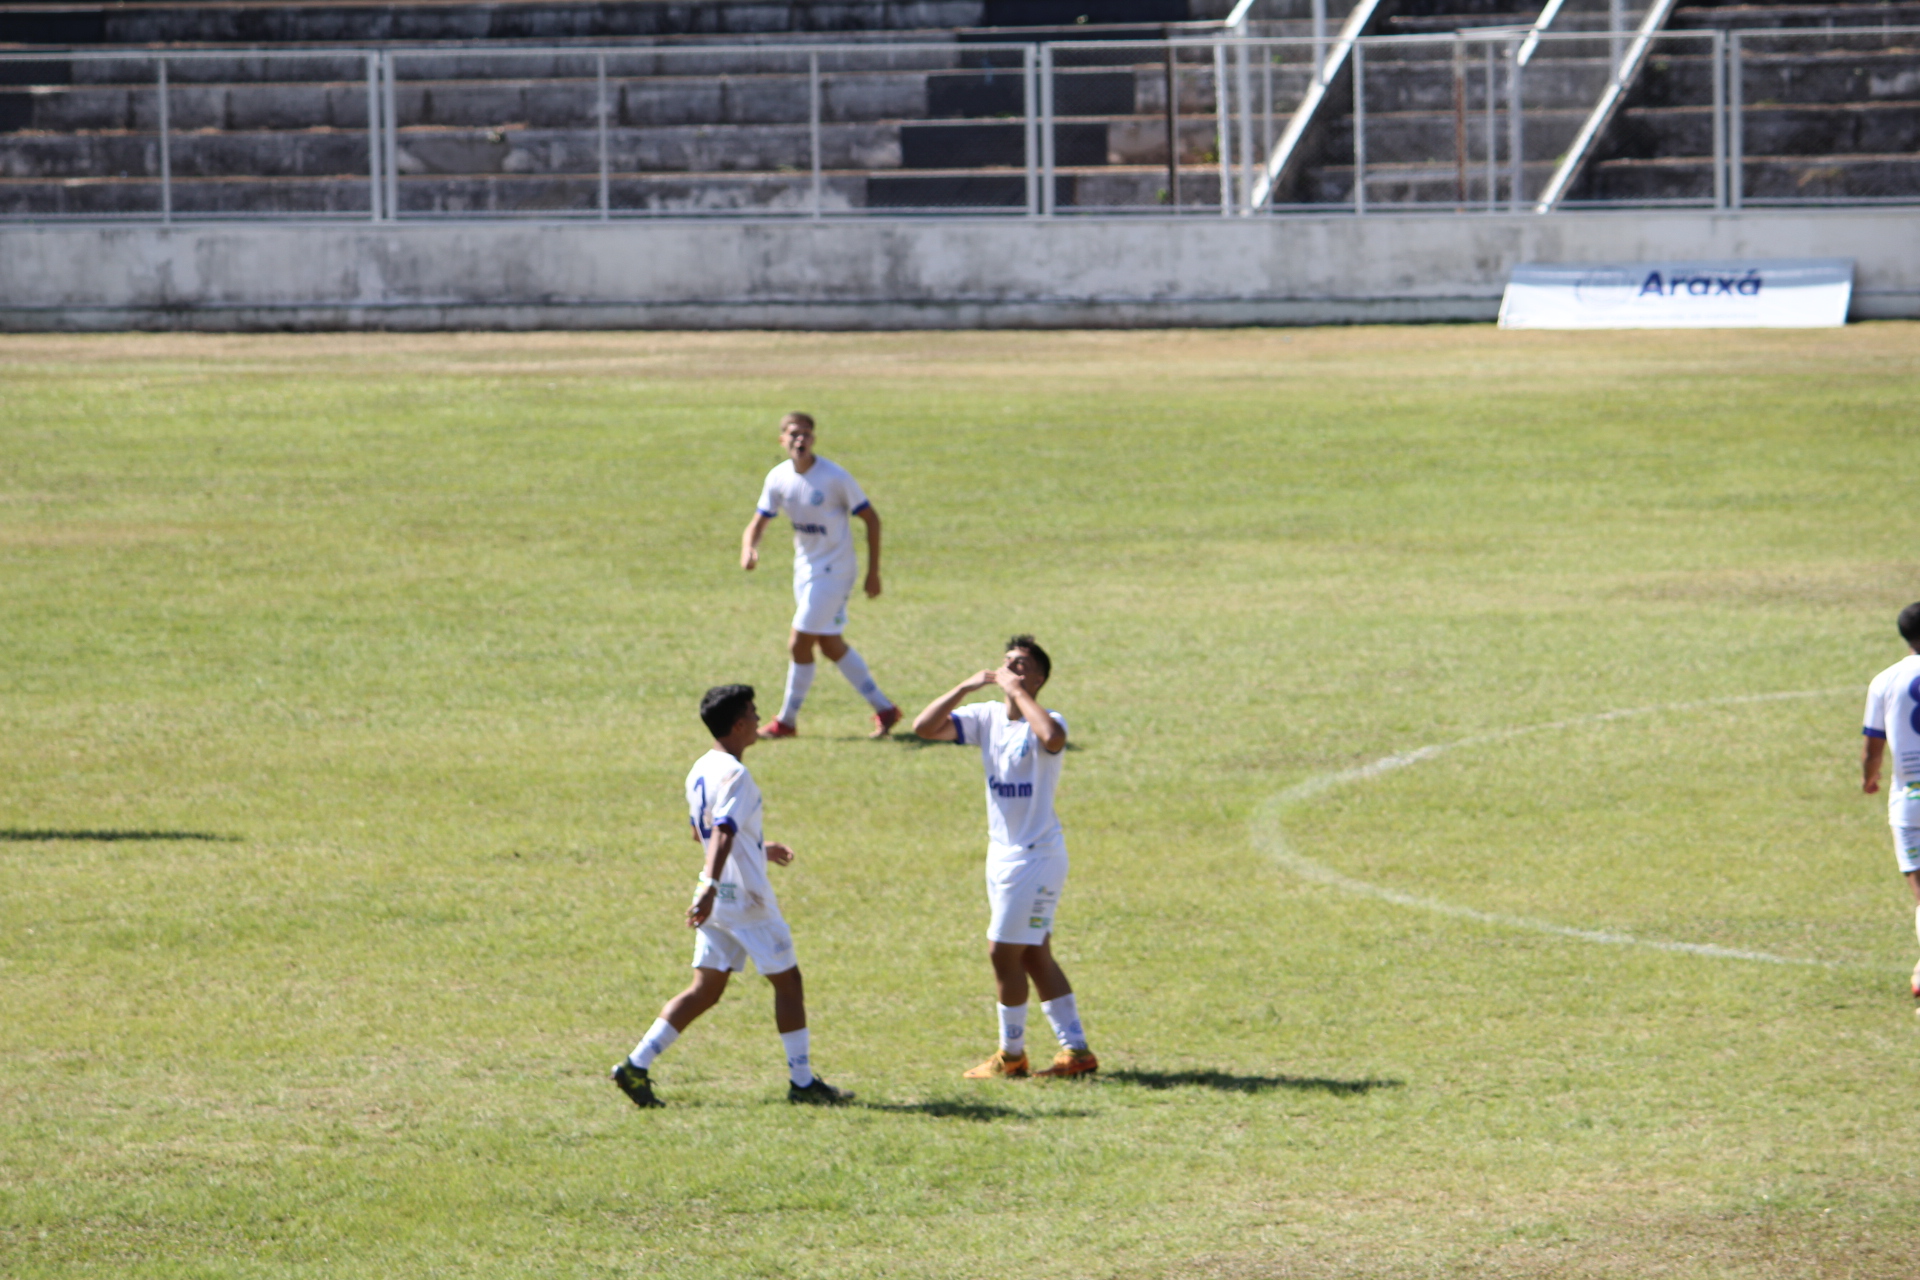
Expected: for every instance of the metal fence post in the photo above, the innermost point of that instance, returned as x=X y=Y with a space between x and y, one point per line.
x=1737 y=143
x=1493 y=135
x=1617 y=36
x=1223 y=128
x=600 y=84
x=1517 y=153
x=1359 y=128
x=1319 y=40
x=166 y=153
x=1029 y=108
x=1719 y=48
x=1243 y=85
x=813 y=122
x=374 y=203
x=1047 y=192
x=390 y=125
x=1173 y=126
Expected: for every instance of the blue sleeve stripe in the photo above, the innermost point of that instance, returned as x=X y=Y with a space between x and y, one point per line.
x=959 y=728
x=727 y=823
x=763 y=511
x=1872 y=732
x=857 y=510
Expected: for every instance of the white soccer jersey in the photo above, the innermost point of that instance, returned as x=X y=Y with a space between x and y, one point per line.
x=821 y=505
x=720 y=792
x=1022 y=775
x=1893 y=713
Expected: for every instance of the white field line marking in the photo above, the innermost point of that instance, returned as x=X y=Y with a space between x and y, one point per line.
x=1269 y=836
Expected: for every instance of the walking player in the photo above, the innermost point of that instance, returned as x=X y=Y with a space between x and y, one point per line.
x=734 y=910
x=1893 y=714
x=1021 y=745
x=820 y=498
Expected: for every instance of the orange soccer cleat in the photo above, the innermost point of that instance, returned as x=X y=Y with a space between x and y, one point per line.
x=779 y=729
x=1072 y=1062
x=1001 y=1066
x=883 y=722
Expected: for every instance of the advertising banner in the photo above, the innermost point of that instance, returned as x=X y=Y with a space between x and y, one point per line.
x=1775 y=293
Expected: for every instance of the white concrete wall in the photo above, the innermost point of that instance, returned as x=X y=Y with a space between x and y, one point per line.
x=880 y=274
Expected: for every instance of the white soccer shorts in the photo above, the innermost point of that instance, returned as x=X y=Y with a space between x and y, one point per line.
x=821 y=604
x=1023 y=895
x=769 y=946
x=1906 y=848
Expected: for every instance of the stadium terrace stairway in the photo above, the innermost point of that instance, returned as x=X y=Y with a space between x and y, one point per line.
x=1827 y=113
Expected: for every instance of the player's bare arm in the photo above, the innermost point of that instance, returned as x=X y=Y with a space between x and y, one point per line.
x=1045 y=727
x=750 y=541
x=719 y=849
x=871 y=518
x=935 y=724
x=1870 y=757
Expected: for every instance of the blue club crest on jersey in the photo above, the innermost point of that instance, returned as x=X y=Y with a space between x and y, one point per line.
x=816 y=498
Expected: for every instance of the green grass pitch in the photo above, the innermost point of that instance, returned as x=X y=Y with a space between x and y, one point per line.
x=379 y=655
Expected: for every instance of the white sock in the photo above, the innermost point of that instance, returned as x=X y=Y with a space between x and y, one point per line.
x=1013 y=1028
x=1065 y=1017
x=1916 y=920
x=799 y=1056
x=799 y=680
x=854 y=668
x=653 y=1044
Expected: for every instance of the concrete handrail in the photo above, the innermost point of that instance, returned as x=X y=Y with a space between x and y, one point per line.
x=1287 y=151
x=1604 y=110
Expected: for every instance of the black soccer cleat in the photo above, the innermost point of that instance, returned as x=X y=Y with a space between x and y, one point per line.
x=634 y=1083
x=818 y=1094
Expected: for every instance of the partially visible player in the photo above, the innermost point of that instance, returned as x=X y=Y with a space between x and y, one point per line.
x=1893 y=715
x=734 y=910
x=821 y=499
x=1021 y=745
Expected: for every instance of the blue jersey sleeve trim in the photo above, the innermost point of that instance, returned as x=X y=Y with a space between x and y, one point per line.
x=857 y=510
x=728 y=824
x=763 y=511
x=1872 y=732
x=960 y=731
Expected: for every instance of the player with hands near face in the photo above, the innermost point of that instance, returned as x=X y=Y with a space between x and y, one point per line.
x=734 y=913
x=1021 y=745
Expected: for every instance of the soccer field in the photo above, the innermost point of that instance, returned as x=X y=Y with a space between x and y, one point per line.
x=1470 y=874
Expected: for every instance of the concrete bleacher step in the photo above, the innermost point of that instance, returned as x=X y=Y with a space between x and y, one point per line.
x=1698 y=16
x=1830 y=130
x=1429 y=182
x=1861 y=177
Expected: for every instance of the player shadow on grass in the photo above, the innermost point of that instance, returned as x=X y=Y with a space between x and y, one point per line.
x=1227 y=1082
x=19 y=835
x=978 y=1112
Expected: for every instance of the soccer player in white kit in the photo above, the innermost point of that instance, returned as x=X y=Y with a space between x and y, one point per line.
x=821 y=499
x=1021 y=745
x=1893 y=716
x=734 y=910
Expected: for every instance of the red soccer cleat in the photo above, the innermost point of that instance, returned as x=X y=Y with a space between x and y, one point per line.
x=883 y=722
x=778 y=729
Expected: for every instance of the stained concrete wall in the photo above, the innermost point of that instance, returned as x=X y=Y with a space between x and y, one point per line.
x=881 y=274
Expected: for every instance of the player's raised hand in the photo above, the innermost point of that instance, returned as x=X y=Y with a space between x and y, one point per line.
x=778 y=854
x=1008 y=679
x=979 y=680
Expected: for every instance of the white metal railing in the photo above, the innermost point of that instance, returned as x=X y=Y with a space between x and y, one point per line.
x=1217 y=123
